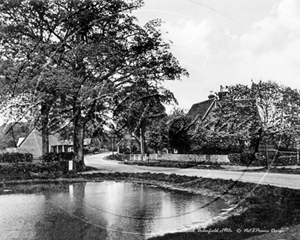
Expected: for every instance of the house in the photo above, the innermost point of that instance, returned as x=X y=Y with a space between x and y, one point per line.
x=202 y=109
x=205 y=108
x=33 y=144
x=128 y=144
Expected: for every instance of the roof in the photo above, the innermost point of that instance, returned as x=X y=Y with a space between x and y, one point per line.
x=56 y=140
x=201 y=109
x=20 y=140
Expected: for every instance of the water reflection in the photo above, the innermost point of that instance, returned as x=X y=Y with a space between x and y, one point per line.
x=106 y=210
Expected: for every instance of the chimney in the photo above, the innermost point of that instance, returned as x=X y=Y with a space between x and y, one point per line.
x=221 y=88
x=223 y=92
x=211 y=95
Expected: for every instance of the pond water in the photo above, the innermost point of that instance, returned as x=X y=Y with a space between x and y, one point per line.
x=101 y=210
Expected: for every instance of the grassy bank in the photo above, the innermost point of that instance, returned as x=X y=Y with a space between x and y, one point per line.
x=254 y=206
x=215 y=166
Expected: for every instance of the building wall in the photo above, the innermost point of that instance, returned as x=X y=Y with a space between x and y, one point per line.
x=32 y=144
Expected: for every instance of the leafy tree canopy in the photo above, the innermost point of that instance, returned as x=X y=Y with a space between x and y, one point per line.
x=80 y=59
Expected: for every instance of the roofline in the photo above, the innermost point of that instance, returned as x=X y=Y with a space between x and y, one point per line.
x=208 y=110
x=26 y=137
x=21 y=141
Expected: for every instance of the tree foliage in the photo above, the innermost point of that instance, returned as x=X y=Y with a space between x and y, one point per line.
x=80 y=59
x=161 y=135
x=246 y=117
x=11 y=132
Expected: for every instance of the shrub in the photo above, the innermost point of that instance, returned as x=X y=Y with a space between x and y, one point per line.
x=234 y=158
x=93 y=150
x=118 y=157
x=16 y=157
x=33 y=171
x=243 y=158
x=285 y=160
x=246 y=158
x=54 y=157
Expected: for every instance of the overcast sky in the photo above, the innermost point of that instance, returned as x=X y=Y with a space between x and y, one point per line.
x=225 y=42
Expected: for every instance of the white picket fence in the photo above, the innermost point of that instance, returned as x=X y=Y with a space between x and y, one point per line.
x=181 y=157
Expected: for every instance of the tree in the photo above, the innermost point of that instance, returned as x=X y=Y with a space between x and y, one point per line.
x=161 y=135
x=11 y=132
x=158 y=135
x=98 y=47
x=249 y=116
x=180 y=129
x=138 y=113
x=230 y=124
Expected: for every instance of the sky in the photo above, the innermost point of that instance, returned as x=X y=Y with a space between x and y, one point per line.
x=228 y=42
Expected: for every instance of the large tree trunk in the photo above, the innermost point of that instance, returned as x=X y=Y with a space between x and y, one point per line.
x=45 y=141
x=142 y=144
x=78 y=140
x=255 y=144
x=45 y=108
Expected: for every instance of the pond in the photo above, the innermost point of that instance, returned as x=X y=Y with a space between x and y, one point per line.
x=101 y=210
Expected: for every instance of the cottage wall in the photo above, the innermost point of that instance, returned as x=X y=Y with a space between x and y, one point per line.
x=32 y=144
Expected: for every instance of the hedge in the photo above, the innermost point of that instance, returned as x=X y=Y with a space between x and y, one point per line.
x=243 y=158
x=94 y=150
x=57 y=157
x=16 y=157
x=32 y=171
x=285 y=160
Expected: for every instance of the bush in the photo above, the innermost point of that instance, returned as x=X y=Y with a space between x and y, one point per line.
x=56 y=157
x=16 y=157
x=243 y=158
x=91 y=150
x=246 y=158
x=285 y=160
x=23 y=171
x=94 y=150
x=118 y=157
x=234 y=158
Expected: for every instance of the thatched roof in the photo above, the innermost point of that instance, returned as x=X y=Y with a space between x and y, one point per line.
x=201 y=110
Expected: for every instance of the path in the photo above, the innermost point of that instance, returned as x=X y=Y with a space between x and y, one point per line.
x=276 y=179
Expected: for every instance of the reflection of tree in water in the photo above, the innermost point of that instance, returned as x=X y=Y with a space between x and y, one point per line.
x=142 y=208
x=125 y=207
x=118 y=210
x=64 y=217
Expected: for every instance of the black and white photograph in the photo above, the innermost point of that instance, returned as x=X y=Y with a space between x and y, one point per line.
x=149 y=119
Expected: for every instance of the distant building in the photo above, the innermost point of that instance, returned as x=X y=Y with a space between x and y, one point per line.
x=202 y=109
x=33 y=144
x=128 y=144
